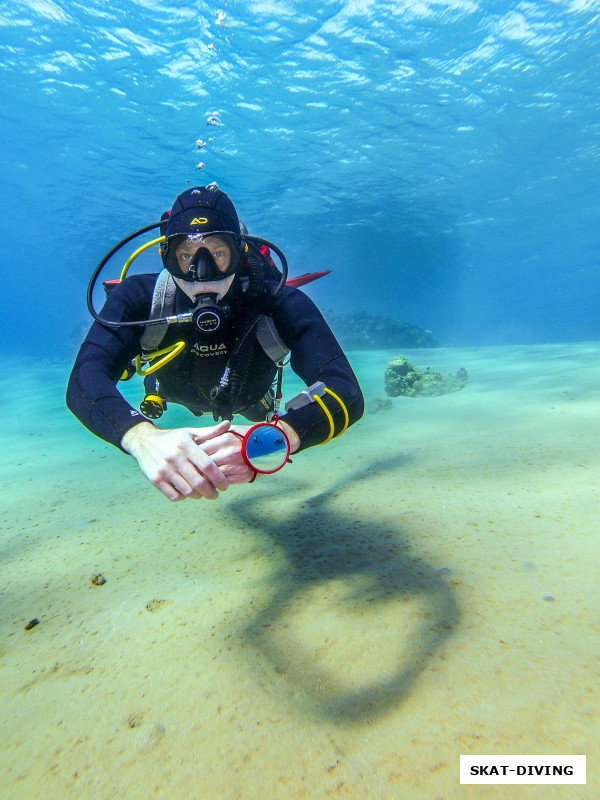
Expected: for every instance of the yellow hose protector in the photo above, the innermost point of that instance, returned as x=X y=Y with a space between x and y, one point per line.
x=327 y=413
x=168 y=354
x=133 y=256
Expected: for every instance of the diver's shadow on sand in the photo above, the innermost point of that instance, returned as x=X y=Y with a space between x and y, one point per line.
x=360 y=652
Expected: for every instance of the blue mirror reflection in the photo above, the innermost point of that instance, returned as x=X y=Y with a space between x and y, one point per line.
x=267 y=448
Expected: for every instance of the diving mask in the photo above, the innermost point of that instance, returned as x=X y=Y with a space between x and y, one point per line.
x=201 y=257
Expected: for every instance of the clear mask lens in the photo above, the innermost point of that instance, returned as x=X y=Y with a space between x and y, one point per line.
x=198 y=257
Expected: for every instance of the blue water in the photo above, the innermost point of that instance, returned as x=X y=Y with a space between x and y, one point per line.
x=441 y=156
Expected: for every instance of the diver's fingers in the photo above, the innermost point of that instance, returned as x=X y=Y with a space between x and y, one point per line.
x=195 y=486
x=203 y=474
x=169 y=491
x=201 y=435
x=226 y=443
x=226 y=452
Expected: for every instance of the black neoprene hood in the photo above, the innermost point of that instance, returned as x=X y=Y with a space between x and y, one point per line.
x=202 y=210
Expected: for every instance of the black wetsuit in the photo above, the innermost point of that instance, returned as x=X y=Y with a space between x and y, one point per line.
x=315 y=355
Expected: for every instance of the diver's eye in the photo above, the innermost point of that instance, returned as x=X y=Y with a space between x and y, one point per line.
x=219 y=254
x=186 y=256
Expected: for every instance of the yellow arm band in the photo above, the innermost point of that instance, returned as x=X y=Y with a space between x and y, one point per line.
x=329 y=436
x=327 y=413
x=313 y=394
x=344 y=409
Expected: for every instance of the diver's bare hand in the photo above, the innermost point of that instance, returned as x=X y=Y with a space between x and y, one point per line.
x=175 y=461
x=226 y=452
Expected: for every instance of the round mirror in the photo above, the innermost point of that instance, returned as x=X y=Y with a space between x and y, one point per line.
x=266 y=448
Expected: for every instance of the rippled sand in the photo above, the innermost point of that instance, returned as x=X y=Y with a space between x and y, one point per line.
x=423 y=587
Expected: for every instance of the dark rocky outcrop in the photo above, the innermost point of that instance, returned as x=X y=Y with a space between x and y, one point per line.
x=358 y=330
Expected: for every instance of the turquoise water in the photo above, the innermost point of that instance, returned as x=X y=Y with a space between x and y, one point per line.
x=424 y=586
x=441 y=156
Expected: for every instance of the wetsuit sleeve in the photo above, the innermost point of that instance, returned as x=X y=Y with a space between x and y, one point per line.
x=91 y=393
x=315 y=355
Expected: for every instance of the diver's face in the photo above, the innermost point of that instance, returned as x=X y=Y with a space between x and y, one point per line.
x=186 y=251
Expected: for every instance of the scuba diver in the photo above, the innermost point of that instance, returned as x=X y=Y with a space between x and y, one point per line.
x=211 y=332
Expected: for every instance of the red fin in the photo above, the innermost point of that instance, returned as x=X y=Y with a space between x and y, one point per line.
x=110 y=285
x=307 y=278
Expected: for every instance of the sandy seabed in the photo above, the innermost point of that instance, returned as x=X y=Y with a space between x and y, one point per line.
x=424 y=587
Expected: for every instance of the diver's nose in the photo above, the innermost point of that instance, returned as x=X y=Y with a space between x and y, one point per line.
x=200 y=266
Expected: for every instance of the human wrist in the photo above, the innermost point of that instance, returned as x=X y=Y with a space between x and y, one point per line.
x=291 y=434
x=135 y=436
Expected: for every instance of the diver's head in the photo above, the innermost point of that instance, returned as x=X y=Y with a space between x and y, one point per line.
x=202 y=236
